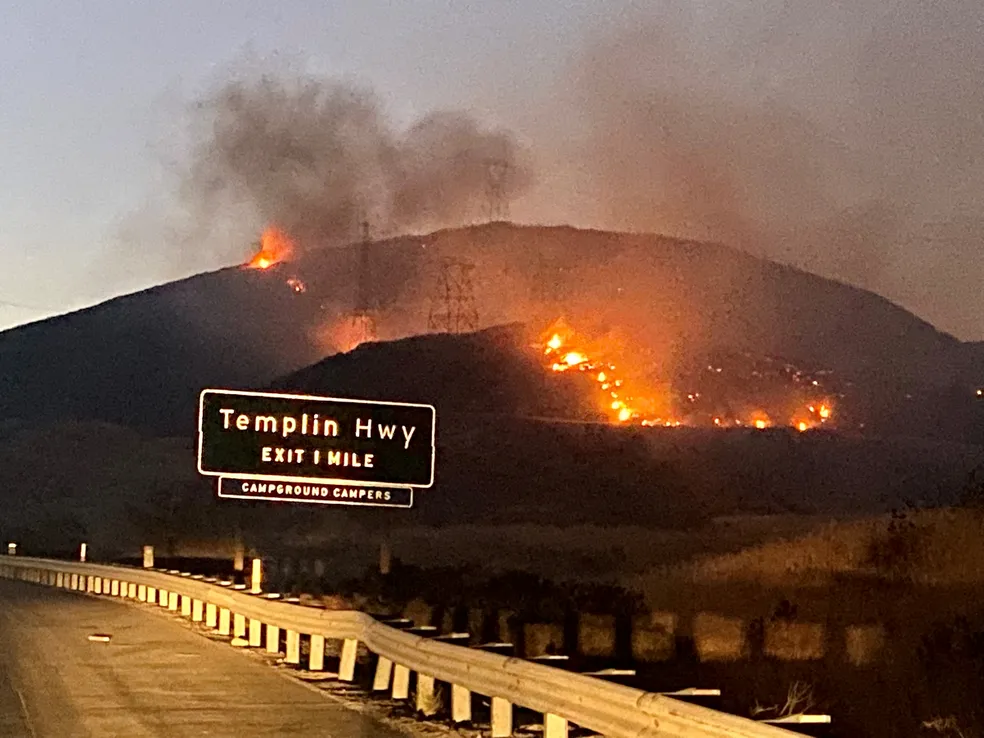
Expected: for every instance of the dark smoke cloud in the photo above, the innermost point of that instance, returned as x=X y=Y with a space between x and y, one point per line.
x=317 y=156
x=845 y=138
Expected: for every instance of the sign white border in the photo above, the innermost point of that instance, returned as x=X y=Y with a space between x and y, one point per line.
x=313 y=480
x=310 y=500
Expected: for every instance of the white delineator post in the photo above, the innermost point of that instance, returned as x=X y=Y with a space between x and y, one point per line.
x=82 y=552
x=11 y=549
x=256 y=576
x=148 y=557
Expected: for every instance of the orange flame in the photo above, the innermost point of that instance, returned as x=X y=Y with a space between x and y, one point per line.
x=275 y=246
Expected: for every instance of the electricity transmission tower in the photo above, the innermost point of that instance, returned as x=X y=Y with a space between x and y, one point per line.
x=452 y=308
x=496 y=202
x=364 y=314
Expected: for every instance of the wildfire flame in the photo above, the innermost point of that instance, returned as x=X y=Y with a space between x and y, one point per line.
x=563 y=351
x=275 y=246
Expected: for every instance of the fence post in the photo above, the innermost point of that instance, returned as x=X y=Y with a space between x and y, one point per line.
x=255 y=633
x=426 y=704
x=460 y=704
x=272 y=639
x=384 y=669
x=239 y=626
x=346 y=669
x=554 y=726
x=293 y=647
x=316 y=657
x=501 y=718
x=401 y=682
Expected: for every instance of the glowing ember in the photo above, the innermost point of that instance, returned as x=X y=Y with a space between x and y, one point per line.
x=297 y=285
x=275 y=246
x=802 y=426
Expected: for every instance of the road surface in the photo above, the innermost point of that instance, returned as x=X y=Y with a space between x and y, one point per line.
x=154 y=678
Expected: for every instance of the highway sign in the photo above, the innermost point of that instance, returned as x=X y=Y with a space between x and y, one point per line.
x=324 y=494
x=274 y=437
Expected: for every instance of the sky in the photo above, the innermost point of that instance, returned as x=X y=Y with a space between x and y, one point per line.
x=842 y=138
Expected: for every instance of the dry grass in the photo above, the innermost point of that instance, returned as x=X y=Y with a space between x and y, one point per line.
x=945 y=547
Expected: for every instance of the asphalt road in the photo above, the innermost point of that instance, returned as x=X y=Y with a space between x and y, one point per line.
x=154 y=678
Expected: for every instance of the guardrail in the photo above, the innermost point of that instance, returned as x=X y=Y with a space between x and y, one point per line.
x=562 y=697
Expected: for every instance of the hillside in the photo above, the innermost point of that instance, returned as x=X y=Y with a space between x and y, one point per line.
x=140 y=360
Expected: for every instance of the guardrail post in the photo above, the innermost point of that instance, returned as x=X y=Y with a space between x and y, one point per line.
x=115 y=591
x=426 y=704
x=197 y=610
x=401 y=682
x=255 y=633
x=384 y=670
x=272 y=639
x=172 y=601
x=293 y=647
x=162 y=597
x=346 y=667
x=151 y=595
x=97 y=586
x=211 y=615
x=224 y=621
x=316 y=657
x=60 y=579
x=239 y=625
x=554 y=726
x=90 y=583
x=460 y=704
x=501 y=718
x=185 y=606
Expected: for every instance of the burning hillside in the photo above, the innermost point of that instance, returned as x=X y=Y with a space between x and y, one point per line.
x=275 y=246
x=744 y=397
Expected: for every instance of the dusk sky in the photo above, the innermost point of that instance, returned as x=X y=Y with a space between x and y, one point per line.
x=844 y=140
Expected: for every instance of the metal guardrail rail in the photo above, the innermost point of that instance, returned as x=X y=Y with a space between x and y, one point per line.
x=563 y=697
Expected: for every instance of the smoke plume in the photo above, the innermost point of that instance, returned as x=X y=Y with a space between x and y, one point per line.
x=844 y=138
x=316 y=157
